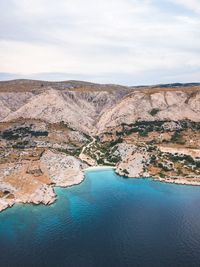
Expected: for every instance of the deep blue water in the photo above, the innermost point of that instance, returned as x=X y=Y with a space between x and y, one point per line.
x=106 y=221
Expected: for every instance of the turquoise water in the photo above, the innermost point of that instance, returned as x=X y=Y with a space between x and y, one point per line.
x=106 y=221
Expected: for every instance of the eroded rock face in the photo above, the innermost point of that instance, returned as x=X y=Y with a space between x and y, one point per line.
x=140 y=106
x=53 y=107
x=6 y=203
x=4 y=111
x=79 y=110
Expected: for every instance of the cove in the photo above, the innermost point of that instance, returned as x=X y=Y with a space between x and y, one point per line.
x=106 y=221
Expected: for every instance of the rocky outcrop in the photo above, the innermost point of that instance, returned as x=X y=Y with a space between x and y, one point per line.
x=133 y=161
x=133 y=164
x=63 y=170
x=33 y=181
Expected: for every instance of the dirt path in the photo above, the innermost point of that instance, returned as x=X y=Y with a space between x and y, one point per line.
x=88 y=145
x=86 y=158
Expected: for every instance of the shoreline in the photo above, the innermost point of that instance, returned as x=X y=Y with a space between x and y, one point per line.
x=101 y=168
x=154 y=179
x=176 y=182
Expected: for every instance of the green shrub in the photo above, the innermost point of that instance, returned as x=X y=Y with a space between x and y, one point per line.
x=177 y=138
x=143 y=133
x=154 y=111
x=162 y=175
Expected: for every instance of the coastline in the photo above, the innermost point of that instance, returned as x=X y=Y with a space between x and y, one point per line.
x=99 y=168
x=177 y=181
x=96 y=169
x=156 y=179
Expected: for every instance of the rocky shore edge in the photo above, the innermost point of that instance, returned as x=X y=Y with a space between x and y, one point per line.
x=46 y=194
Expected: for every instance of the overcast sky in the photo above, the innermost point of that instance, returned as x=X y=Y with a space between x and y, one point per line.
x=109 y=41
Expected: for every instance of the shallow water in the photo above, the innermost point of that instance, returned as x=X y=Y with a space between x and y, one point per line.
x=106 y=221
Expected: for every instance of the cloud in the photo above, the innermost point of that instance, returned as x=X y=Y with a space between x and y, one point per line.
x=115 y=38
x=191 y=4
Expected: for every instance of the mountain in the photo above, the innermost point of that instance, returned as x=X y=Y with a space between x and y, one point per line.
x=51 y=131
x=92 y=107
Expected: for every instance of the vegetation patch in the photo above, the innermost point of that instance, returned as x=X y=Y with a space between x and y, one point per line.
x=154 y=111
x=21 y=132
x=177 y=138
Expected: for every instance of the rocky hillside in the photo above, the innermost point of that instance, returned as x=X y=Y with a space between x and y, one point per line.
x=51 y=131
x=94 y=108
x=77 y=104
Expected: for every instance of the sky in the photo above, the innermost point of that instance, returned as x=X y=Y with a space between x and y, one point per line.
x=130 y=42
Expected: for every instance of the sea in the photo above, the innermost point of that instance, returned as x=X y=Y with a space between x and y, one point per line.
x=106 y=221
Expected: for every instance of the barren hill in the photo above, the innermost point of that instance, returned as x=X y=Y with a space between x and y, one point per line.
x=92 y=108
